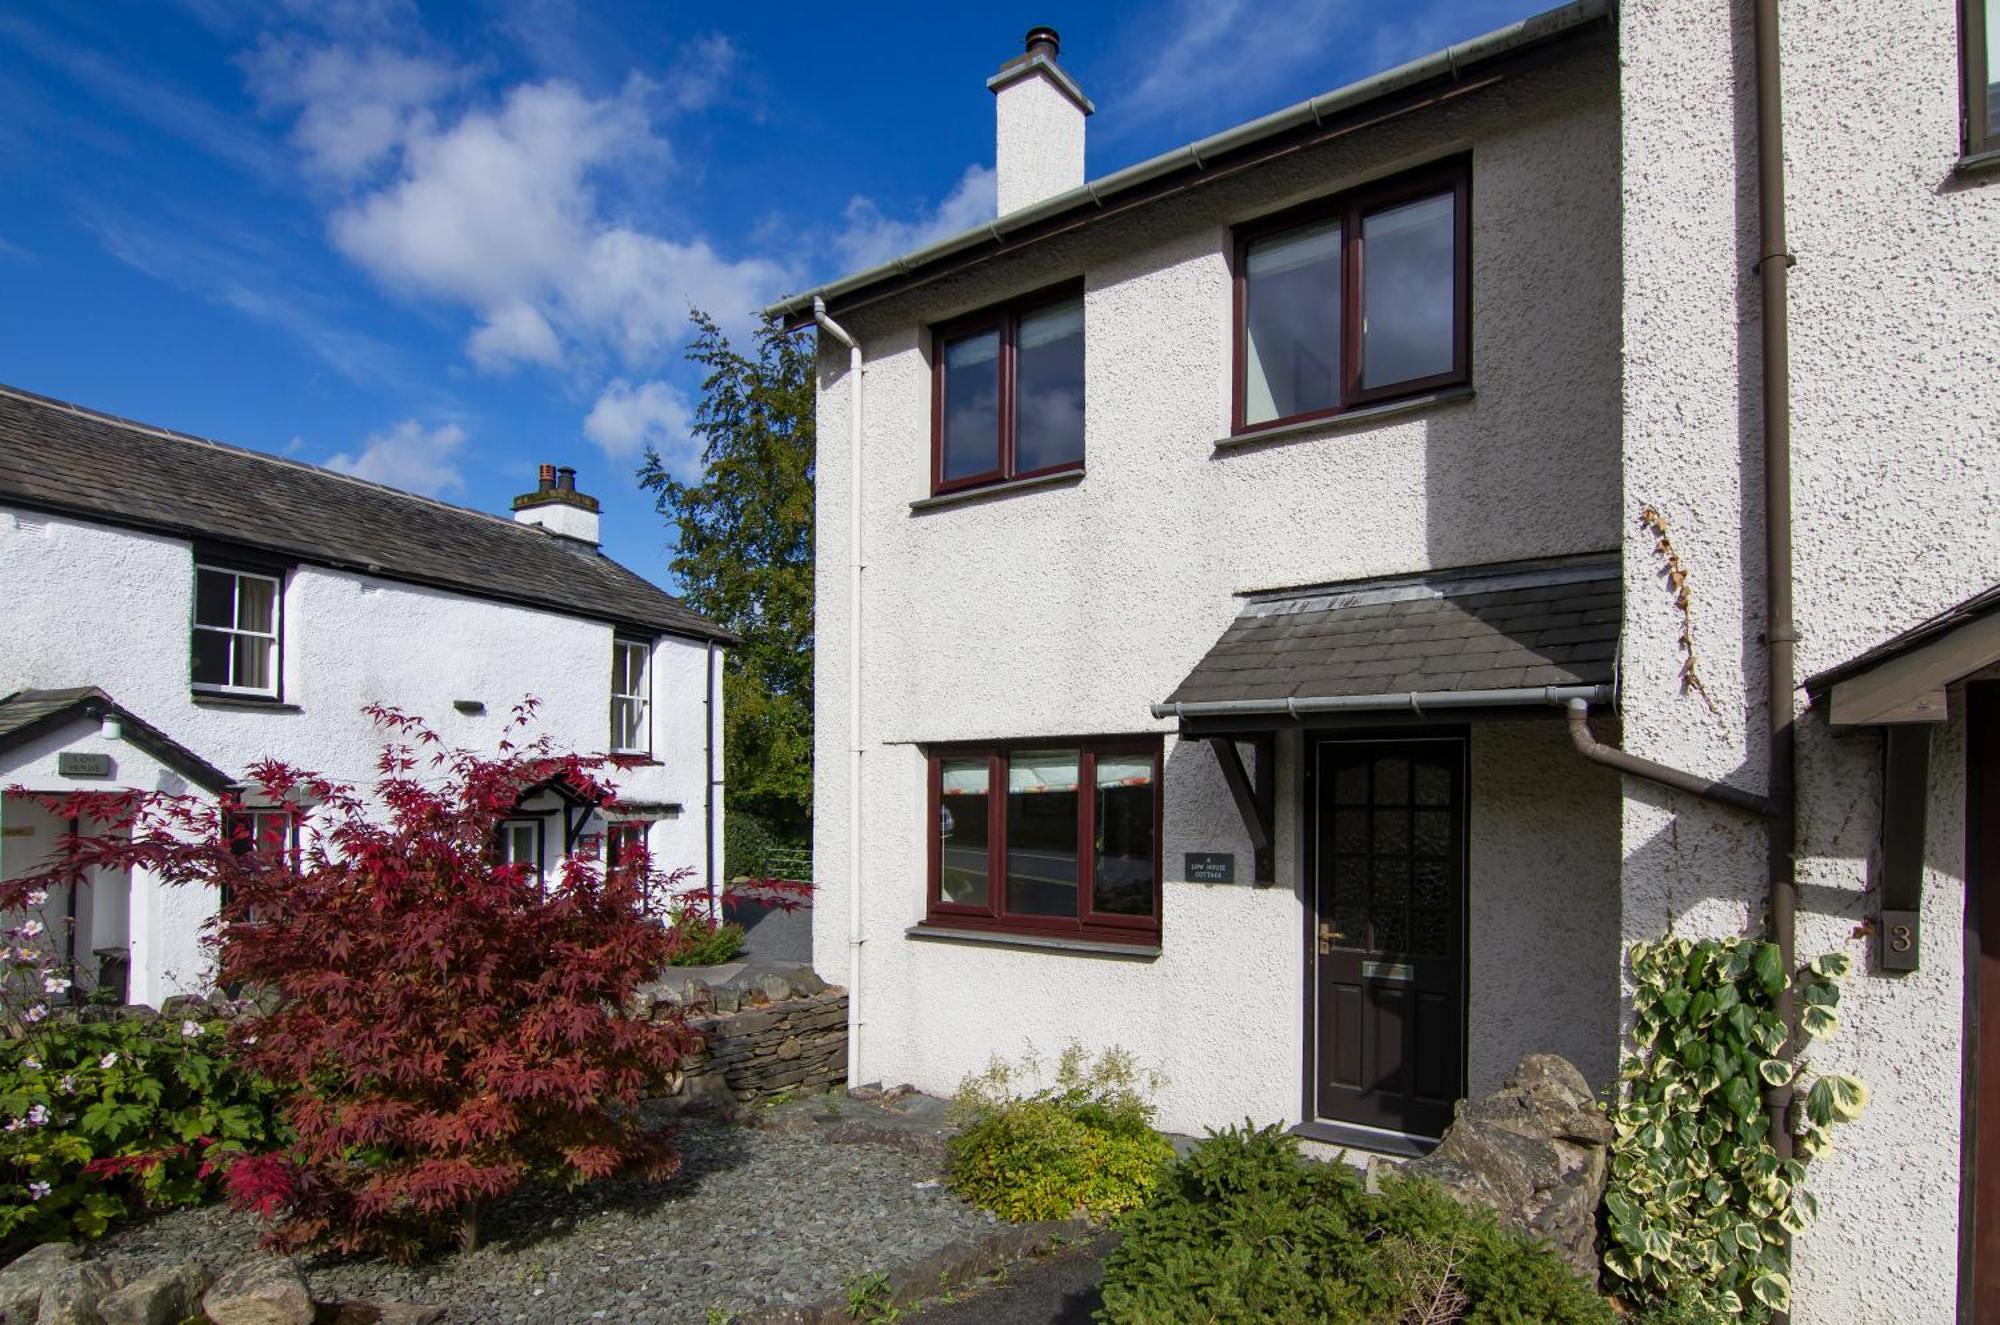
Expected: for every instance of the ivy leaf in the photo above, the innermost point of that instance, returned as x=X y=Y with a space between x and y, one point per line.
x=1775 y=1071
x=1769 y=965
x=1832 y=965
x=1817 y=1022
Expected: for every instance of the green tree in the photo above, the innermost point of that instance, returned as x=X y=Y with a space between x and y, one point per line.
x=744 y=555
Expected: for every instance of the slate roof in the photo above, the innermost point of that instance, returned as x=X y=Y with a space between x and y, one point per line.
x=62 y=458
x=26 y=714
x=1495 y=627
x=1980 y=604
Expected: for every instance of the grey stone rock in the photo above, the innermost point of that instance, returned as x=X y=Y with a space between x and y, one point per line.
x=1535 y=1151
x=408 y=1313
x=165 y=1296
x=72 y=1293
x=260 y=1291
x=182 y=1005
x=805 y=983
x=23 y=1281
x=774 y=986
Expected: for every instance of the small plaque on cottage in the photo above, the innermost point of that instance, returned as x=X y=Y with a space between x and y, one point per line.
x=73 y=765
x=1211 y=867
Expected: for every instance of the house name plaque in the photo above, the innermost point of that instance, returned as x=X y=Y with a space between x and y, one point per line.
x=1210 y=867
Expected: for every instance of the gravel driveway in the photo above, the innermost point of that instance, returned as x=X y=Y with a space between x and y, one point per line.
x=755 y=1218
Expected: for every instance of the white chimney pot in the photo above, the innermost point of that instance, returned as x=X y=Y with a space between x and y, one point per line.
x=1039 y=114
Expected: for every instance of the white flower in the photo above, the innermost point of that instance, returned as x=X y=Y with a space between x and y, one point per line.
x=37 y=896
x=35 y=1014
x=109 y=1060
x=32 y=929
x=38 y=1115
x=55 y=984
x=67 y=1085
x=190 y=1029
x=15 y=1124
x=32 y=1063
x=37 y=1190
x=249 y=1040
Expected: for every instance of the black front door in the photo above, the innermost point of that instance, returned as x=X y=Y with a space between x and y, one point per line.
x=1389 y=932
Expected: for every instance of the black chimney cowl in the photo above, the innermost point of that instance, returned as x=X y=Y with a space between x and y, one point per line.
x=1044 y=41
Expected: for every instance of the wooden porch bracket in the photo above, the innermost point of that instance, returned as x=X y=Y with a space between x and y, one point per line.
x=1906 y=781
x=1255 y=794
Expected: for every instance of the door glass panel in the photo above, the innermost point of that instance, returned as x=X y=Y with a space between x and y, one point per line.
x=1350 y=881
x=1392 y=930
x=1392 y=830
x=963 y=820
x=1122 y=877
x=1392 y=882
x=1350 y=926
x=1350 y=785
x=1409 y=305
x=1433 y=784
x=1392 y=782
x=1042 y=832
x=1428 y=936
x=1048 y=388
x=1291 y=333
x=971 y=406
x=1427 y=880
x=1350 y=830
x=1433 y=835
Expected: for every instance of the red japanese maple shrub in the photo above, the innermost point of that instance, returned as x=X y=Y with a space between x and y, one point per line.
x=450 y=1026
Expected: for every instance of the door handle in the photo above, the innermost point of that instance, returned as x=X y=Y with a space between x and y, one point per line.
x=1328 y=936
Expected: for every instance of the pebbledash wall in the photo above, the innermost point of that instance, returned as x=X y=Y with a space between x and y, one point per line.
x=1068 y=610
x=92 y=605
x=1895 y=407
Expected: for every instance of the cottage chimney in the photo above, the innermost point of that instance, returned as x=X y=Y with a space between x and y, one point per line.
x=1039 y=111
x=558 y=507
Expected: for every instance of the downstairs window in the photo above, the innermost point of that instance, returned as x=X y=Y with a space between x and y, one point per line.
x=1047 y=837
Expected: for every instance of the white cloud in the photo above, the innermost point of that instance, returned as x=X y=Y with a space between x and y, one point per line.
x=656 y=414
x=514 y=333
x=870 y=237
x=355 y=108
x=702 y=72
x=1202 y=60
x=408 y=456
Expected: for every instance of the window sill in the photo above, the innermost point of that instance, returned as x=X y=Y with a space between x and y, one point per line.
x=245 y=703
x=1375 y=1140
x=1366 y=416
x=1044 y=942
x=632 y=759
x=1978 y=164
x=1062 y=478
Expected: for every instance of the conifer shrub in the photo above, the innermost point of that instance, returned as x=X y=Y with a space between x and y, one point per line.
x=1244 y=1229
x=1084 y=1145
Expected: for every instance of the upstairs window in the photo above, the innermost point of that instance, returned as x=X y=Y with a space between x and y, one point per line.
x=236 y=618
x=1048 y=837
x=631 y=713
x=521 y=844
x=1353 y=300
x=267 y=836
x=1008 y=393
x=1980 y=36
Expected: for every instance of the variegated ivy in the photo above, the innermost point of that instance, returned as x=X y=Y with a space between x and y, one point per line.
x=1698 y=1202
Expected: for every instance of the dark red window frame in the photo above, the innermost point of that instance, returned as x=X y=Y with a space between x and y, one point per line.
x=1006 y=319
x=993 y=917
x=1350 y=208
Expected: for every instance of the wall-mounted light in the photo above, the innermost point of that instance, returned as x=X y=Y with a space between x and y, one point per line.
x=472 y=708
x=110 y=728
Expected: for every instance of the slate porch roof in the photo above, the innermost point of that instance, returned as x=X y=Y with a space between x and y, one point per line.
x=27 y=714
x=65 y=459
x=1503 y=626
x=1982 y=604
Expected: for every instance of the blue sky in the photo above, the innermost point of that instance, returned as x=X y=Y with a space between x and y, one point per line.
x=436 y=245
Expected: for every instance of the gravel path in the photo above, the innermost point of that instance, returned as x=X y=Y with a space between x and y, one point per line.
x=753 y=1219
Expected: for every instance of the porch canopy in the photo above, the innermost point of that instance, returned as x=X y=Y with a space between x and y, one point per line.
x=1507 y=637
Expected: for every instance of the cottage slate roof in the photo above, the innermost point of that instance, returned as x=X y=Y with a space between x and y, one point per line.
x=62 y=458
x=26 y=714
x=1502 y=626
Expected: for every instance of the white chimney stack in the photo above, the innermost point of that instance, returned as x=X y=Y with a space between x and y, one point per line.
x=556 y=505
x=1040 y=110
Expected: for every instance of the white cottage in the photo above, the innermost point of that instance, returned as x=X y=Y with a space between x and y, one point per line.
x=174 y=610
x=1243 y=638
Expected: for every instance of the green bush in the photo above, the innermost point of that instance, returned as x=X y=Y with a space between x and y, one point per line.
x=1246 y=1230
x=101 y=1118
x=1086 y=1144
x=697 y=940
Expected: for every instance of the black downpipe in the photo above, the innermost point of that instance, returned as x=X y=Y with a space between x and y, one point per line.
x=1774 y=263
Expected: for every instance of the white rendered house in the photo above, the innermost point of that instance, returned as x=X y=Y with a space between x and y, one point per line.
x=174 y=611
x=1241 y=640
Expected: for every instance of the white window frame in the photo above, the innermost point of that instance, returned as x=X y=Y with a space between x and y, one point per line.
x=276 y=635
x=641 y=697
x=507 y=856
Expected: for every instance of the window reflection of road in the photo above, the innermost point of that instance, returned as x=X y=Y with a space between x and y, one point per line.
x=1044 y=882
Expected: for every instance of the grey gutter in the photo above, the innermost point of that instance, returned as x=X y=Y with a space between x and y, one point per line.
x=1449 y=64
x=1665 y=775
x=1408 y=701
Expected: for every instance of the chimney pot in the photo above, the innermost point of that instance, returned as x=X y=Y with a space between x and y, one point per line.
x=557 y=506
x=1045 y=42
x=546 y=478
x=566 y=479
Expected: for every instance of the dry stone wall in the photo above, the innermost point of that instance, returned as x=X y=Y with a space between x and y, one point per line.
x=763 y=1033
